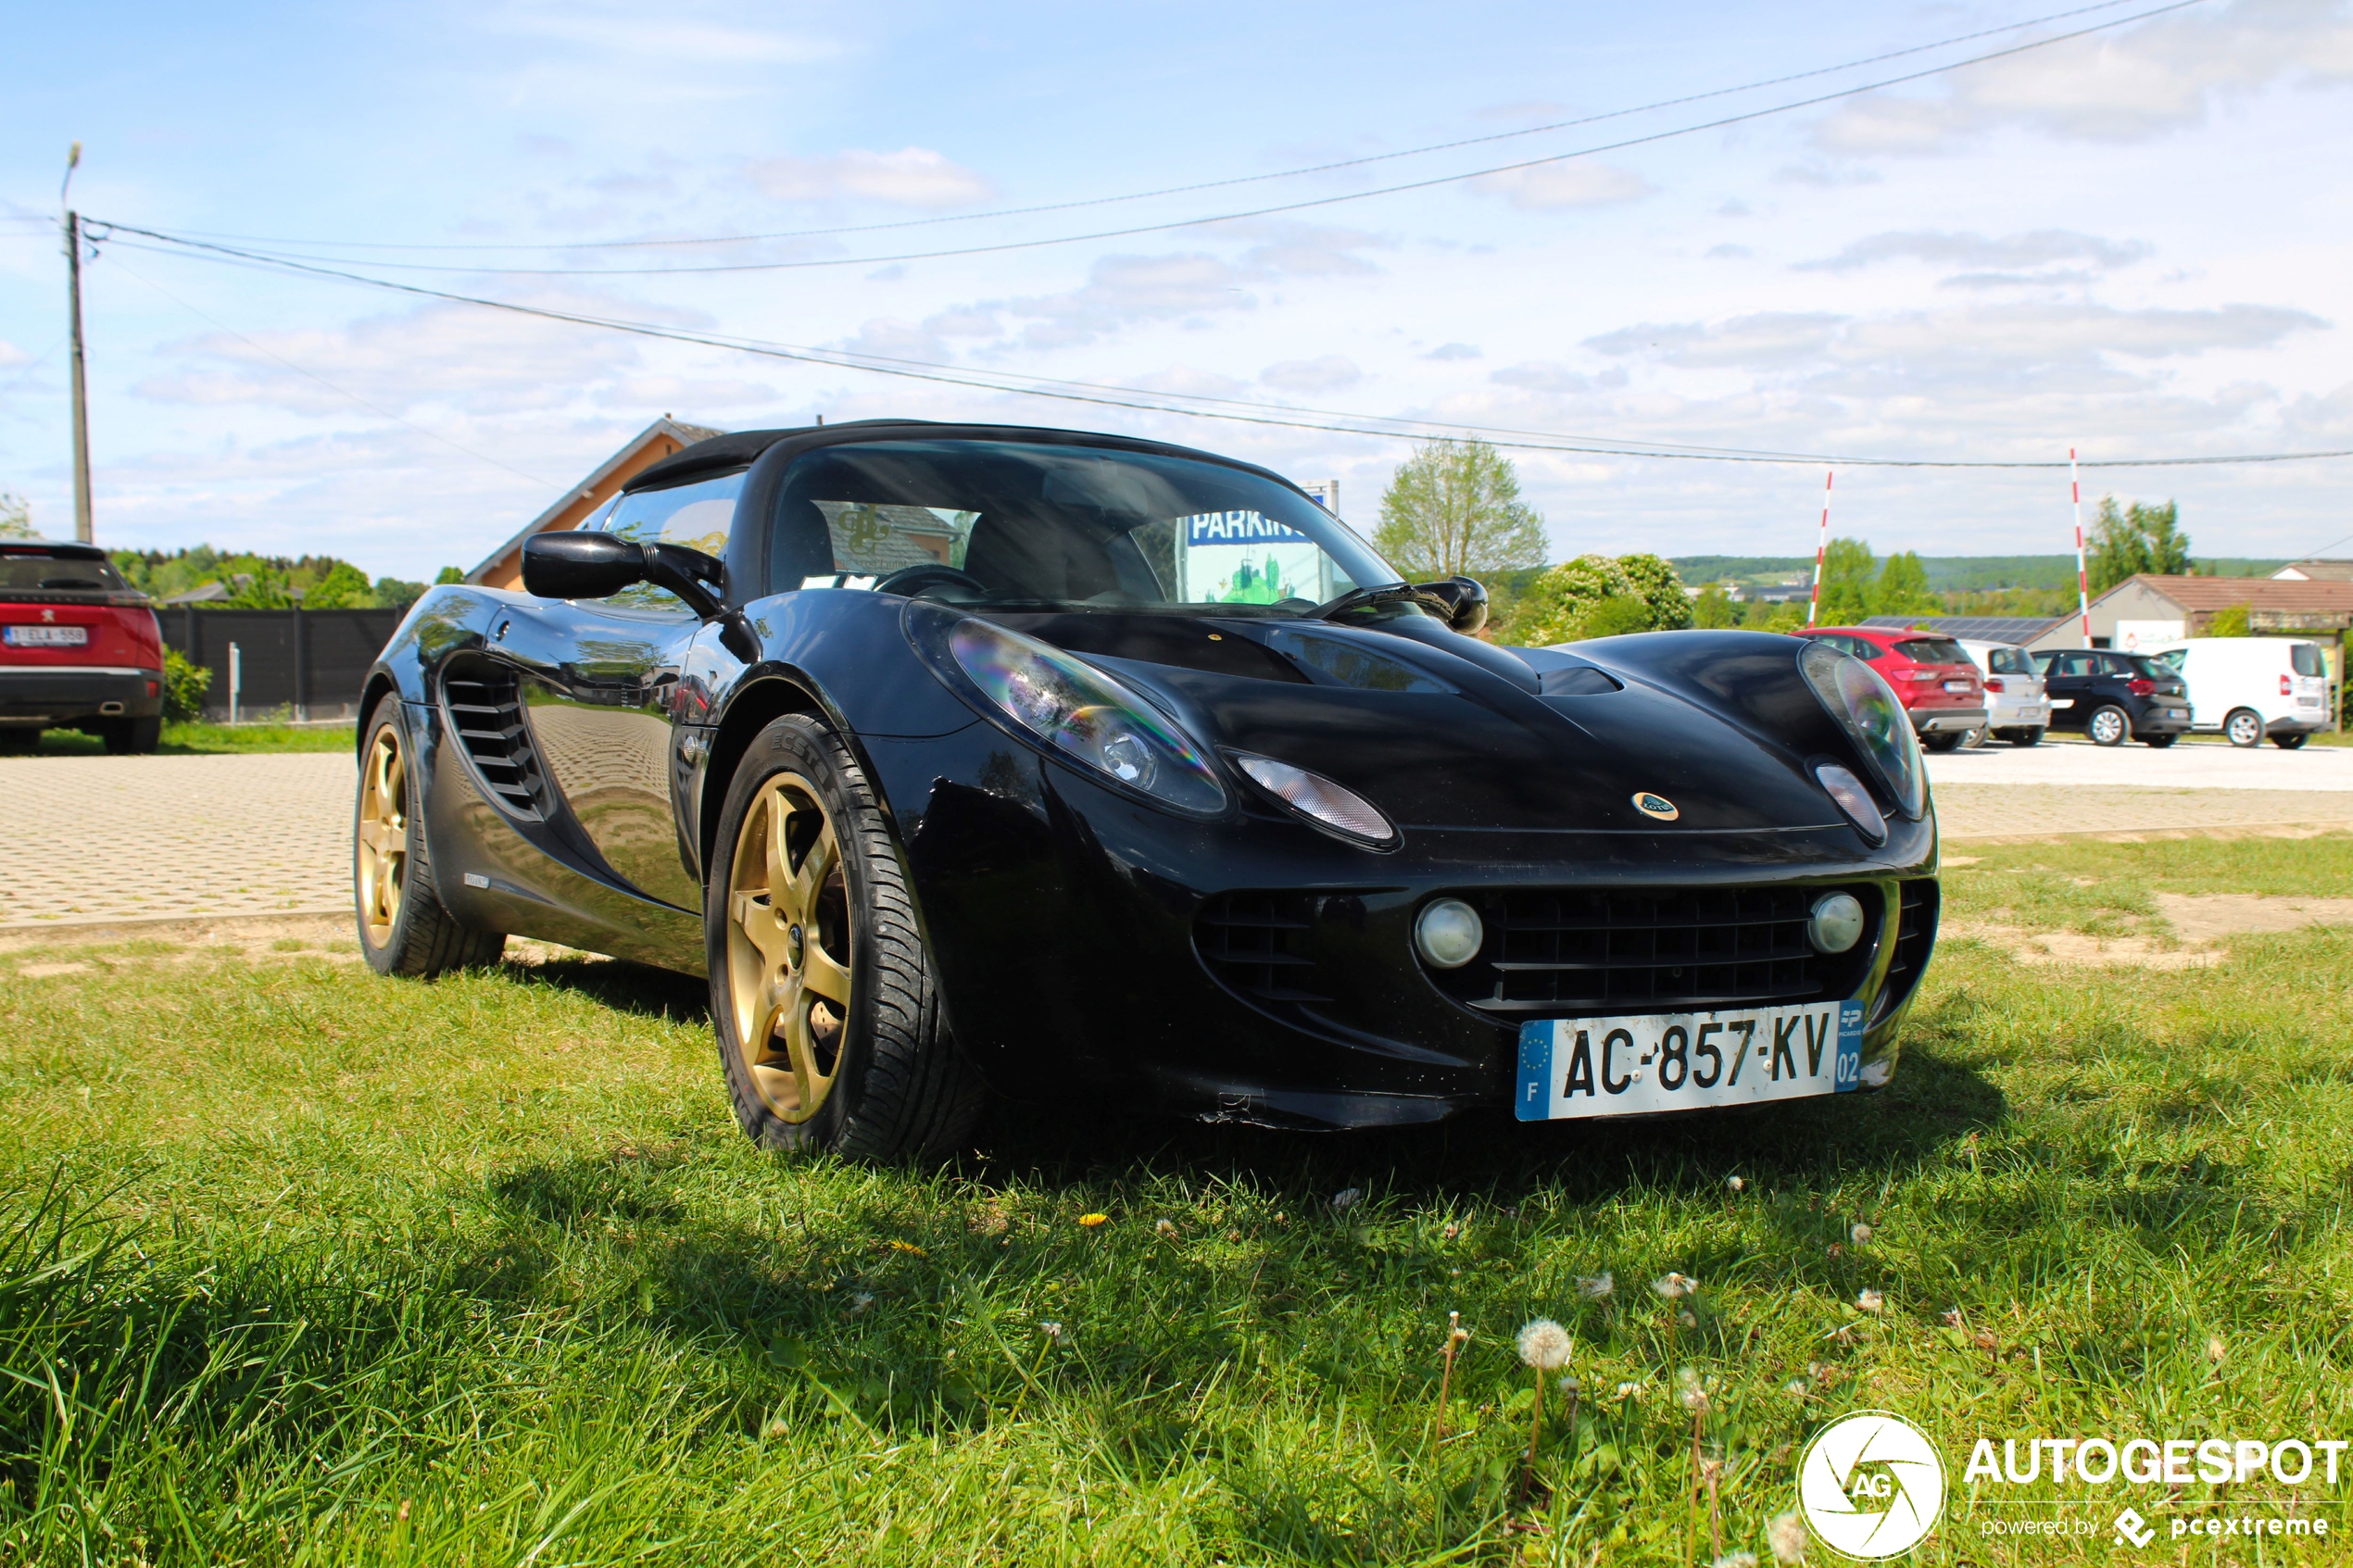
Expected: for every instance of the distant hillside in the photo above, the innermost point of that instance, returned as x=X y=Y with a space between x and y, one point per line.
x=1949 y=574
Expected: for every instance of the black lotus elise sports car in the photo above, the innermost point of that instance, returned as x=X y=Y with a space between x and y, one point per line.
x=968 y=759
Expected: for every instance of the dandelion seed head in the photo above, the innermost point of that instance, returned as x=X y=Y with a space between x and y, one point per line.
x=1544 y=1345
x=1690 y=1391
x=2216 y=1350
x=1628 y=1390
x=1051 y=1329
x=1685 y=1319
x=1871 y=1301
x=1164 y=1227
x=1736 y=1184
x=1735 y=1560
x=1674 y=1285
x=1571 y=1387
x=1345 y=1198
x=859 y=1301
x=1795 y=1387
x=1786 y=1536
x=1596 y=1287
x=1860 y=1234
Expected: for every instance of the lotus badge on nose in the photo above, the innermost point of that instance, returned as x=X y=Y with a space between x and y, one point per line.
x=1658 y=806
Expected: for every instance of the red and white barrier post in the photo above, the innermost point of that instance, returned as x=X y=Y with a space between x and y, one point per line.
x=1821 y=544
x=2083 y=580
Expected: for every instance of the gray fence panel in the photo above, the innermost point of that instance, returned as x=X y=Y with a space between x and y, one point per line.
x=309 y=662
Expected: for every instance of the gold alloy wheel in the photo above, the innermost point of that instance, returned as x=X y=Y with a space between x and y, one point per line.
x=382 y=846
x=788 y=943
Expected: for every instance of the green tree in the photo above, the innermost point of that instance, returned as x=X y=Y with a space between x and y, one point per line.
x=259 y=588
x=1849 y=578
x=392 y=592
x=343 y=587
x=1573 y=600
x=1903 y=588
x=2134 y=539
x=1452 y=510
x=2231 y=622
x=449 y=575
x=16 y=518
x=1714 y=608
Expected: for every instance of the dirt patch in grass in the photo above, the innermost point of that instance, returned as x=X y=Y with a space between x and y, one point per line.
x=2036 y=948
x=2203 y=917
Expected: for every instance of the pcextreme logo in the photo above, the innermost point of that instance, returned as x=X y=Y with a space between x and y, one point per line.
x=1871 y=1485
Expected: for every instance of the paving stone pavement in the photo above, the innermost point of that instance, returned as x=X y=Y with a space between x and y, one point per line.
x=97 y=839
x=92 y=838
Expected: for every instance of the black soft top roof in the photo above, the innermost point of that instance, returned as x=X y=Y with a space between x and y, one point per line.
x=724 y=454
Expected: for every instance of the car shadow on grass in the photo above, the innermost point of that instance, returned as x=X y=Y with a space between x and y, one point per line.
x=621 y=984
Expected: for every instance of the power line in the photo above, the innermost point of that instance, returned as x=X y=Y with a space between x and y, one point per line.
x=1198 y=185
x=1271 y=210
x=1233 y=410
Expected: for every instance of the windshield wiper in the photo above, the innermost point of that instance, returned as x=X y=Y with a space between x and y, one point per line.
x=1358 y=598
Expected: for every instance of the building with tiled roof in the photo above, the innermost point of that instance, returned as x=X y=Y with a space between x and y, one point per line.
x=503 y=567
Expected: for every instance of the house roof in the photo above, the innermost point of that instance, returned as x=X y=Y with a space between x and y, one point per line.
x=677 y=431
x=2278 y=596
x=2019 y=629
x=2316 y=570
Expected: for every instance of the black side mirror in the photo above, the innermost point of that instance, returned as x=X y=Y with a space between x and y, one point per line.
x=595 y=566
x=1465 y=602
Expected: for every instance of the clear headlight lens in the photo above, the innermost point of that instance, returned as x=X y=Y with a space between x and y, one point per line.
x=1854 y=799
x=1312 y=795
x=1868 y=709
x=1084 y=715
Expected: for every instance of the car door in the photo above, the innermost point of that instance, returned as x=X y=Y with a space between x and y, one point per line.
x=2067 y=681
x=600 y=693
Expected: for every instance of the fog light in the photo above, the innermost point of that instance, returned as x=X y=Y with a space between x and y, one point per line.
x=1836 y=924
x=1449 y=933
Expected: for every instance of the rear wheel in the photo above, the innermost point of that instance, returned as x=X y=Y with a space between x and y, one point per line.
x=18 y=737
x=404 y=926
x=1972 y=739
x=823 y=996
x=1942 y=740
x=2031 y=735
x=2243 y=727
x=127 y=737
x=2108 y=725
x=2288 y=742
x=2160 y=742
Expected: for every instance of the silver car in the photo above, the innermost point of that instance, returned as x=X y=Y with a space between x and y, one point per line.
x=2017 y=710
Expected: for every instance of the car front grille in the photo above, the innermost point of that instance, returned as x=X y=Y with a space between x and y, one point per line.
x=1578 y=951
x=1257 y=944
x=482 y=702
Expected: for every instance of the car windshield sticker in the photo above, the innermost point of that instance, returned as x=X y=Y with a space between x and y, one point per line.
x=1246 y=558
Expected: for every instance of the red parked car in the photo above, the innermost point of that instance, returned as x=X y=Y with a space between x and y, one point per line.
x=80 y=649
x=1938 y=683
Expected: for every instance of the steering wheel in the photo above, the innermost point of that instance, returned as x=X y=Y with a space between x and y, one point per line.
x=916 y=582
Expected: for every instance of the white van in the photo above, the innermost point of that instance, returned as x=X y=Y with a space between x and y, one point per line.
x=2249 y=688
x=2016 y=711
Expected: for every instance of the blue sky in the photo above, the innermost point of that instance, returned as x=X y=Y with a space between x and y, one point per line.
x=2137 y=242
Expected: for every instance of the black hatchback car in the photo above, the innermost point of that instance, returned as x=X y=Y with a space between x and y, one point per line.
x=2112 y=696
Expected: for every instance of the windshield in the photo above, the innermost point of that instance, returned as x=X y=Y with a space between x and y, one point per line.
x=2008 y=661
x=39 y=572
x=2150 y=668
x=1068 y=526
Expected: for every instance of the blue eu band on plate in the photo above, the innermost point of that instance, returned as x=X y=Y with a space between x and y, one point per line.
x=1572 y=1068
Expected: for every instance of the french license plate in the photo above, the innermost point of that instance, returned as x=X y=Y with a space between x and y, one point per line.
x=48 y=637
x=1577 y=1067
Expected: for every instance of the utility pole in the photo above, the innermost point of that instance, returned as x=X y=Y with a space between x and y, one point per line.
x=81 y=529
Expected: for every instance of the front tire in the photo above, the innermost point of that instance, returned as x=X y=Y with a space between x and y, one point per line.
x=1942 y=740
x=823 y=996
x=404 y=926
x=2108 y=725
x=132 y=737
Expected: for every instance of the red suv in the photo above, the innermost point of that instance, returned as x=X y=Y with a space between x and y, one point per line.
x=1935 y=678
x=80 y=649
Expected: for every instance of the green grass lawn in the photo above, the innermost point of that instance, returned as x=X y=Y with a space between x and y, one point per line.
x=181 y=738
x=299 y=1265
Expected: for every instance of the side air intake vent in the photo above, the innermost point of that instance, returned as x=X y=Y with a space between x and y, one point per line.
x=482 y=702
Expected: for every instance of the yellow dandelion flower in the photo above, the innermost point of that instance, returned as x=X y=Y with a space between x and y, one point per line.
x=1091 y=1220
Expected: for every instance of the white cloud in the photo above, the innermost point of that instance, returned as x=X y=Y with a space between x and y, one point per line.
x=1543 y=376
x=1727 y=253
x=1766 y=339
x=909 y=177
x=1554 y=187
x=2039 y=248
x=2161 y=76
x=1453 y=351
x=1329 y=373
x=634 y=34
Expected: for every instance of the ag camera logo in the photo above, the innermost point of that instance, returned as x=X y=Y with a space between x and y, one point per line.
x=1871 y=1485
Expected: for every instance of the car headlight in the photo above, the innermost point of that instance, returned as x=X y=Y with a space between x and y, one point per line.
x=1311 y=794
x=1867 y=708
x=1076 y=709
